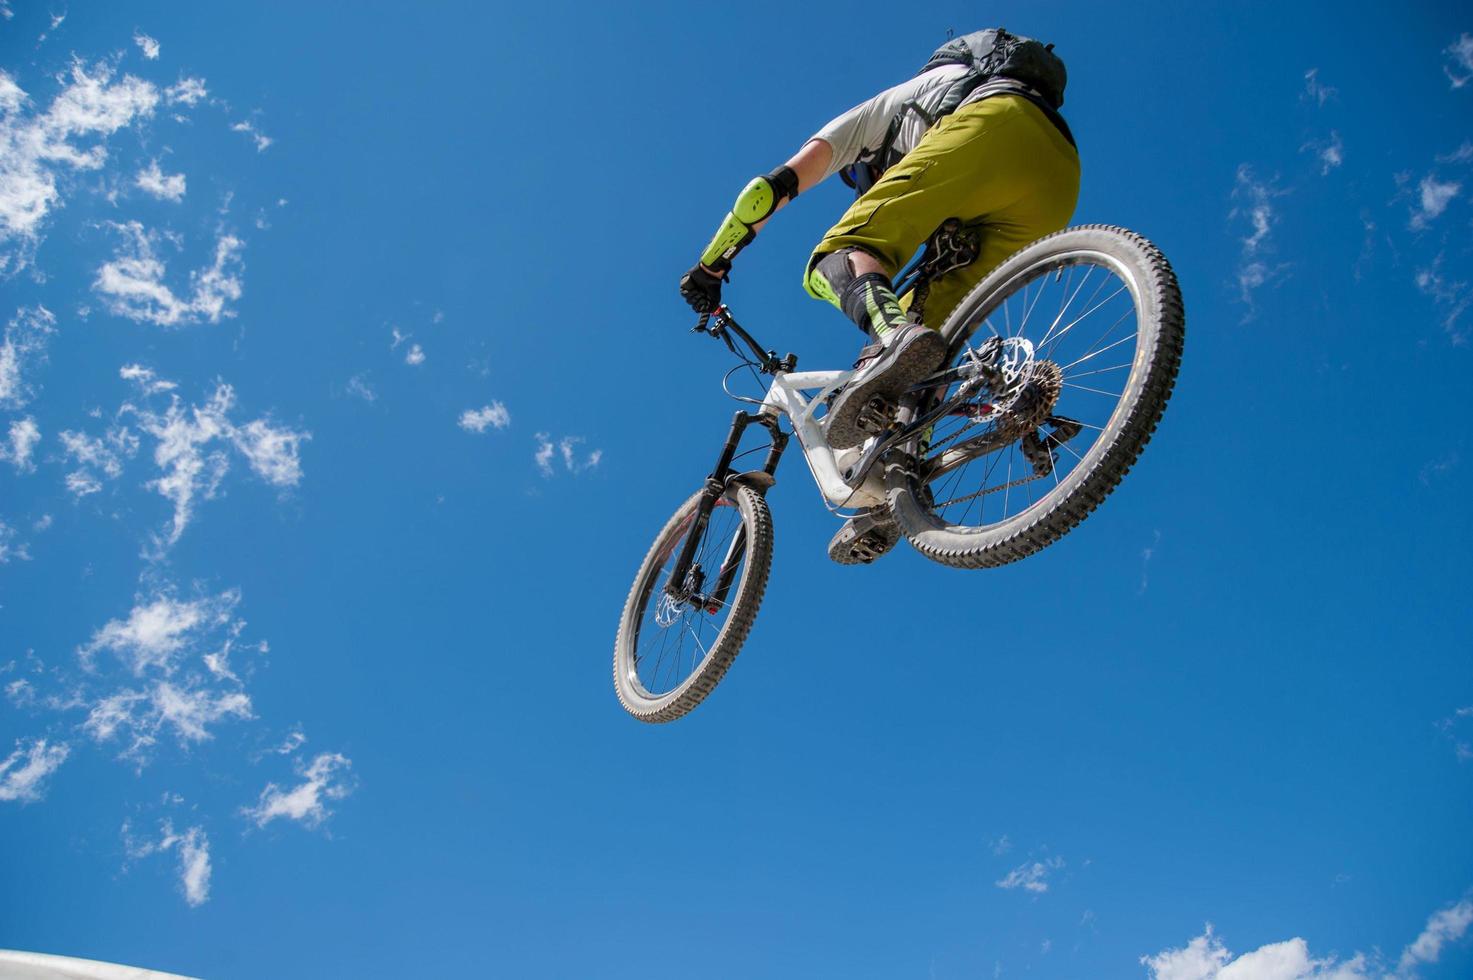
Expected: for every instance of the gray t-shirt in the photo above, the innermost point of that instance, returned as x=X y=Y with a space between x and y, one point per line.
x=858 y=133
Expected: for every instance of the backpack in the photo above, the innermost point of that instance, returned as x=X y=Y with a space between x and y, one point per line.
x=1009 y=63
x=994 y=54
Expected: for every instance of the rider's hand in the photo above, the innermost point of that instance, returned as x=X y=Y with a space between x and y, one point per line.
x=701 y=289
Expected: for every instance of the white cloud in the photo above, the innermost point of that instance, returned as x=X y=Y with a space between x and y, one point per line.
x=194 y=856
x=194 y=866
x=37 y=147
x=105 y=453
x=359 y=387
x=1452 y=297
x=191 y=447
x=132 y=284
x=1462 y=154
x=23 y=773
x=1147 y=554
x=566 y=450
x=1314 y=90
x=415 y=355
x=274 y=454
x=1444 y=926
x=481 y=419
x=1331 y=152
x=192 y=471
x=323 y=780
x=8 y=548
x=160 y=646
x=165 y=187
x=147 y=45
x=1031 y=876
x=1207 y=958
x=159 y=627
x=1460 y=55
x=148 y=383
x=260 y=139
x=141 y=716
x=81 y=483
x=1433 y=198
x=1256 y=207
x=187 y=91
x=295 y=740
x=22 y=347
x=23 y=436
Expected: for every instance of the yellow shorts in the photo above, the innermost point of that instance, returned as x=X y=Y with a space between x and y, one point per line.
x=999 y=162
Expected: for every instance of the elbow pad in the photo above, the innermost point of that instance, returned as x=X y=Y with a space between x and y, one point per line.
x=754 y=205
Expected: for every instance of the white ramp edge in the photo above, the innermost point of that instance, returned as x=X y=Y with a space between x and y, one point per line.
x=15 y=965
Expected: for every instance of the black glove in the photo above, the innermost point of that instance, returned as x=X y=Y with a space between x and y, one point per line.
x=701 y=289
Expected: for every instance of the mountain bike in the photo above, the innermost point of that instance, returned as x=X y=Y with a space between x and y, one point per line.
x=1060 y=364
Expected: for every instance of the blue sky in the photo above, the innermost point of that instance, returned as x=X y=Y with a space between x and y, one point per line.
x=344 y=382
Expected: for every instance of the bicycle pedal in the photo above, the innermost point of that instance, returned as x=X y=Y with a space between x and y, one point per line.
x=876 y=415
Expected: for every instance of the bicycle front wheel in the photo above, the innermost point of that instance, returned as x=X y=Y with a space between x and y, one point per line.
x=1078 y=337
x=677 y=639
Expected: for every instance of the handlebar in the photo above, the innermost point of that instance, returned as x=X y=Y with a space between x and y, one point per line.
x=767 y=360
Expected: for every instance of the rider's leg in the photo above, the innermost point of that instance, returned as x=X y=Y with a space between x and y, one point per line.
x=1000 y=160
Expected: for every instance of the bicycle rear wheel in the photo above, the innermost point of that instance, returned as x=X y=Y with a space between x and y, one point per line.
x=671 y=651
x=1084 y=330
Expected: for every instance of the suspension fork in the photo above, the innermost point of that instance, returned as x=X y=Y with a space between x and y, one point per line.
x=715 y=487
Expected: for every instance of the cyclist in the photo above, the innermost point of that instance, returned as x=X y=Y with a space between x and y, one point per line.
x=975 y=136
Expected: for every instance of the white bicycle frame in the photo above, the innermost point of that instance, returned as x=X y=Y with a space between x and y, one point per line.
x=785 y=397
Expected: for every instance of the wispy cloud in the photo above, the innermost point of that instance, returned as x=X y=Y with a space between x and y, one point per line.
x=162 y=643
x=1207 y=958
x=1452 y=728
x=261 y=140
x=186 y=91
x=1433 y=197
x=1255 y=207
x=133 y=284
x=1452 y=298
x=1031 y=876
x=147 y=45
x=159 y=628
x=1459 y=65
x=37 y=147
x=359 y=387
x=480 y=419
x=1443 y=926
x=165 y=187
x=324 y=780
x=566 y=450
x=104 y=454
x=192 y=447
x=1147 y=553
x=415 y=356
x=20 y=443
x=23 y=347
x=10 y=550
x=193 y=849
x=1316 y=91
x=1329 y=151
x=24 y=772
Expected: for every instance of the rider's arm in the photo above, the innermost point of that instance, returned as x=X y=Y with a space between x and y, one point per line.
x=846 y=139
x=762 y=198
